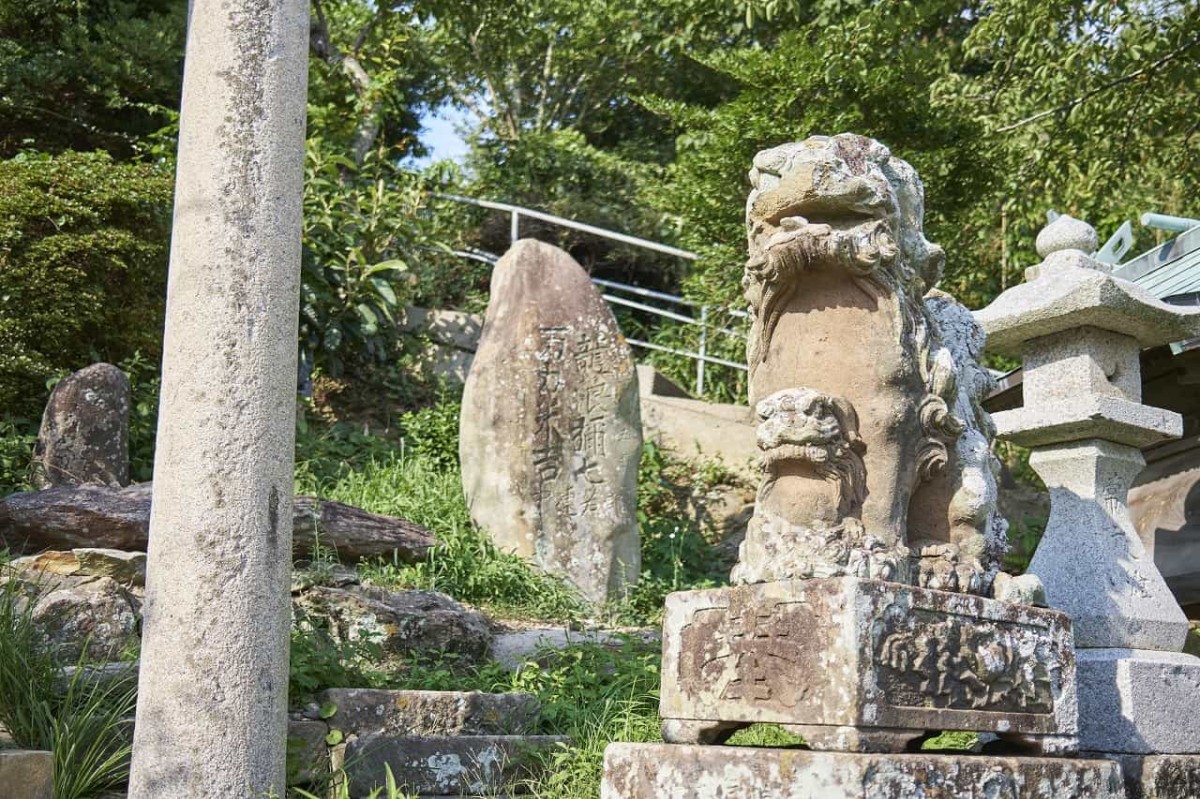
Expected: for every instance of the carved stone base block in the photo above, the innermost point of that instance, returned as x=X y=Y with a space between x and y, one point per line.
x=665 y=771
x=1159 y=776
x=869 y=661
x=1136 y=701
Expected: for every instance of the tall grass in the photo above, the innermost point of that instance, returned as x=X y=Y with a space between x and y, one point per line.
x=465 y=563
x=85 y=722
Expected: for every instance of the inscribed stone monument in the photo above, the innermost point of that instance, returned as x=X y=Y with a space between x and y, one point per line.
x=84 y=436
x=550 y=431
x=859 y=617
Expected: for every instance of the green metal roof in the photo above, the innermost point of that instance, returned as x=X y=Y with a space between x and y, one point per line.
x=1168 y=270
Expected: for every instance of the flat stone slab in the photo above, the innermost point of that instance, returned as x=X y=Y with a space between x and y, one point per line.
x=1073 y=296
x=1085 y=417
x=450 y=766
x=516 y=648
x=1138 y=701
x=1160 y=776
x=843 y=660
x=360 y=711
x=26 y=775
x=659 y=771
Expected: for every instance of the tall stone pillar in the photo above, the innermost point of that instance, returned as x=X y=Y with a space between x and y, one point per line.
x=211 y=716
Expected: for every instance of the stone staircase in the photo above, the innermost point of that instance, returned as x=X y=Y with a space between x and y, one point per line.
x=437 y=744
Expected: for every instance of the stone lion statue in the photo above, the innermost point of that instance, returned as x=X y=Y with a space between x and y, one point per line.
x=876 y=452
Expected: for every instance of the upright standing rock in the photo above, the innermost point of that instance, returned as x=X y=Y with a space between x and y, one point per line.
x=551 y=434
x=211 y=718
x=85 y=430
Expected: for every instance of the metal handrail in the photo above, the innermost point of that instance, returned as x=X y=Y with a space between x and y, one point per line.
x=518 y=212
x=701 y=357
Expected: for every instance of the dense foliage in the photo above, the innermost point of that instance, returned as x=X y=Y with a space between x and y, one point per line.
x=88 y=74
x=83 y=255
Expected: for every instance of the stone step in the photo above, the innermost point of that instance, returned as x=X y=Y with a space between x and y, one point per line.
x=361 y=711
x=25 y=774
x=445 y=766
x=670 y=771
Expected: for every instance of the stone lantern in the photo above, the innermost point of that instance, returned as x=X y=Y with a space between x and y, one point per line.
x=1079 y=331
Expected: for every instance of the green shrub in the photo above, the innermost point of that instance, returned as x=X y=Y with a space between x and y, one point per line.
x=432 y=432
x=83 y=252
x=17 y=438
x=368 y=234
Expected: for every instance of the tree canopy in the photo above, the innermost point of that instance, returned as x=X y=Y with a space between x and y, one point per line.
x=640 y=116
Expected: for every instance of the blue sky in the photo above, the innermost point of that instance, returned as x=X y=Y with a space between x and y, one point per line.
x=440 y=132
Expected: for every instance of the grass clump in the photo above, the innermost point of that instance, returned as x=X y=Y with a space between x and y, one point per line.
x=85 y=722
x=465 y=563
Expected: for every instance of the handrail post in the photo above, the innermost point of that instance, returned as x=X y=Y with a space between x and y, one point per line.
x=703 y=350
x=515 y=231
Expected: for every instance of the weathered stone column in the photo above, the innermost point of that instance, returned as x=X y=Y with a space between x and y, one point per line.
x=213 y=690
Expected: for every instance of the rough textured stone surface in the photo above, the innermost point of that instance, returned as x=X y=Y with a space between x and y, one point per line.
x=52 y=562
x=360 y=711
x=1160 y=776
x=653 y=383
x=128 y=568
x=103 y=676
x=26 y=775
x=307 y=752
x=857 y=398
x=1066 y=233
x=551 y=433
x=883 y=657
x=514 y=648
x=1138 y=701
x=659 y=771
x=1079 y=331
x=1076 y=418
x=85 y=430
x=96 y=615
x=1091 y=560
x=211 y=717
x=1073 y=296
x=1025 y=589
x=694 y=427
x=450 y=340
x=402 y=622
x=445 y=765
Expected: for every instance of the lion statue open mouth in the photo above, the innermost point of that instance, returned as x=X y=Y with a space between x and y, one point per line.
x=875 y=448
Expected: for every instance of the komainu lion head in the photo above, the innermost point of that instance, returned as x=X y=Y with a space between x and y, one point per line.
x=839 y=201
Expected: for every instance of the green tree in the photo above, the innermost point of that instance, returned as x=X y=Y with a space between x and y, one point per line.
x=371 y=77
x=83 y=254
x=1088 y=106
x=87 y=74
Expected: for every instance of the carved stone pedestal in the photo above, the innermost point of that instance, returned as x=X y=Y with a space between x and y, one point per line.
x=863 y=665
x=664 y=771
